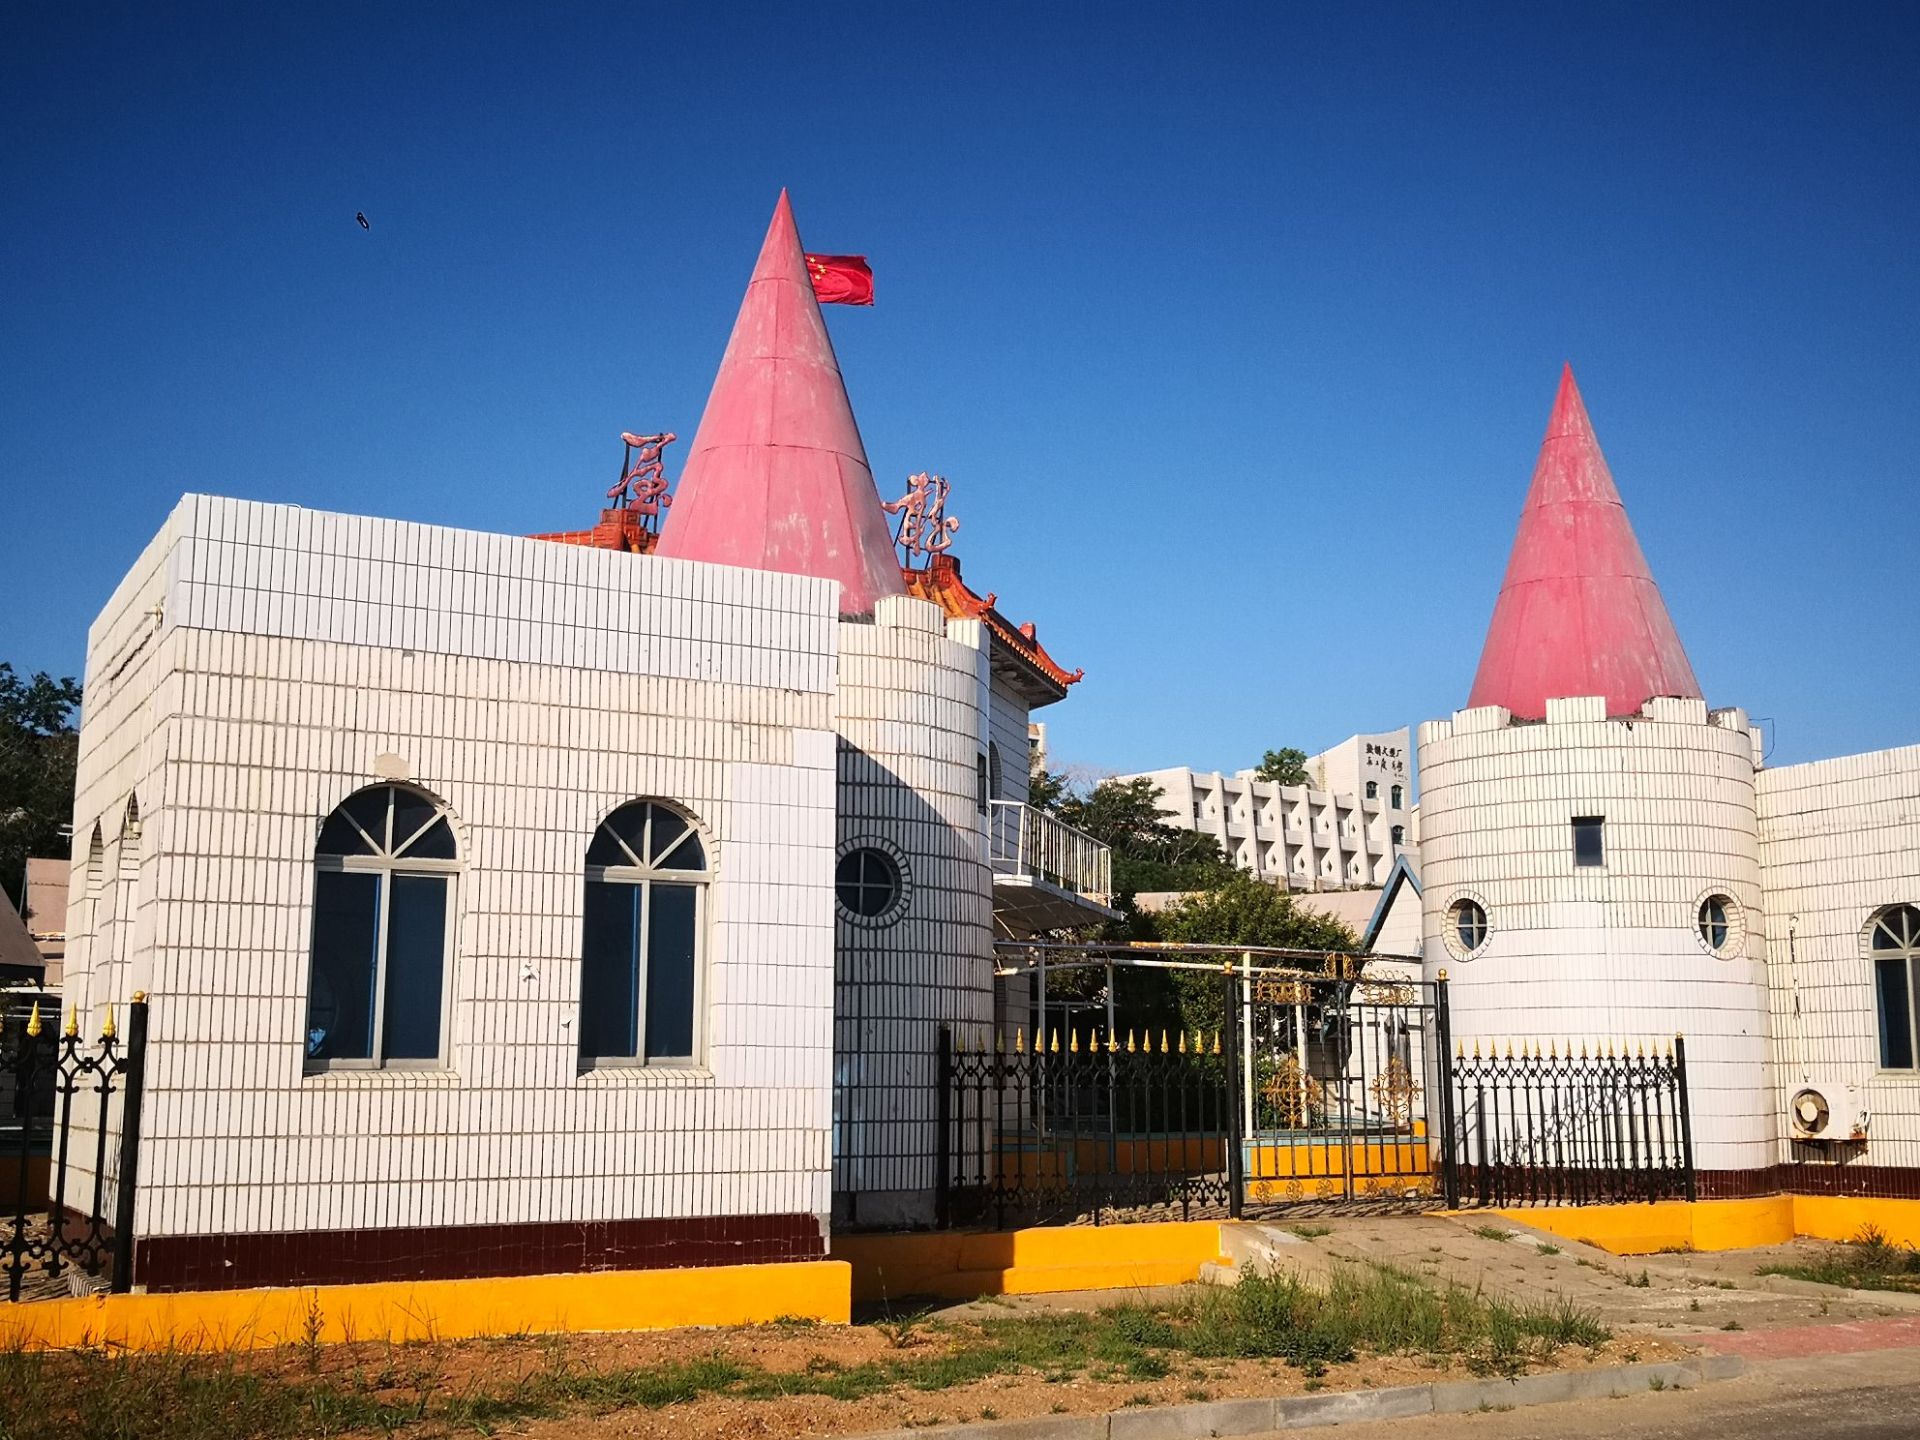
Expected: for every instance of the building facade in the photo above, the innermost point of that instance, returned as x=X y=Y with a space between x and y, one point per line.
x=517 y=905
x=1343 y=829
x=1605 y=860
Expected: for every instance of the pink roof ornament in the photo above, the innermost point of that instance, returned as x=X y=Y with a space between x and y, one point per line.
x=777 y=478
x=1579 y=612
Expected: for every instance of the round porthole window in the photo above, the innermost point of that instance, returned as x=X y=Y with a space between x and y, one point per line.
x=1717 y=922
x=1467 y=920
x=867 y=882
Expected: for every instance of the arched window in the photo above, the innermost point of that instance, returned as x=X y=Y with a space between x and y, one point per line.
x=382 y=931
x=1893 y=940
x=1399 y=834
x=641 y=960
x=1397 y=797
x=1373 y=789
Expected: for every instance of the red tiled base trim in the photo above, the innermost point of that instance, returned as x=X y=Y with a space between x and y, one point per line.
x=1879 y=1182
x=464 y=1252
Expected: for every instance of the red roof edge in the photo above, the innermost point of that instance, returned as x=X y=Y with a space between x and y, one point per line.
x=941 y=584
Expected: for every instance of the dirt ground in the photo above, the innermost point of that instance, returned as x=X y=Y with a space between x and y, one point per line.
x=452 y=1368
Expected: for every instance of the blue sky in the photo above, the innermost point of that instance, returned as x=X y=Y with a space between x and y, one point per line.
x=1236 y=330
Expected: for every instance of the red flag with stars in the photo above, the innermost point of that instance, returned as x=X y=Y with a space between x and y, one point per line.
x=841 y=279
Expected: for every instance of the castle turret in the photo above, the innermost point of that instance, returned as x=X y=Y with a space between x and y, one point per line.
x=777 y=478
x=1588 y=837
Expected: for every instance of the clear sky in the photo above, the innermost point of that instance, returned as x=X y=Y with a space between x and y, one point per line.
x=1236 y=330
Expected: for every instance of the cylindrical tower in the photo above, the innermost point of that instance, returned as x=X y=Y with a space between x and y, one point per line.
x=1589 y=880
x=1588 y=842
x=913 y=896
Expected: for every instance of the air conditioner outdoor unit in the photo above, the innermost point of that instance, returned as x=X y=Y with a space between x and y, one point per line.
x=1825 y=1110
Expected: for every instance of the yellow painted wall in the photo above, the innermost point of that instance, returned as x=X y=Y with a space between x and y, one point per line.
x=439 y=1309
x=1034 y=1261
x=1725 y=1224
x=1834 y=1217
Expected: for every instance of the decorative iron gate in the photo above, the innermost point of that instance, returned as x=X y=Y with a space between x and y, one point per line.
x=1328 y=1087
x=70 y=1125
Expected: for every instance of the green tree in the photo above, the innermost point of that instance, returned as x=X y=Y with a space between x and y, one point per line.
x=1148 y=853
x=1045 y=788
x=1239 y=911
x=38 y=747
x=1283 y=767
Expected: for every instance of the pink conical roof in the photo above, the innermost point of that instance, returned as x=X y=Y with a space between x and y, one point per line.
x=777 y=478
x=1578 y=612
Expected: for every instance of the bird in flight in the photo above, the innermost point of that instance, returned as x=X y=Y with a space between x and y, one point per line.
x=361 y=216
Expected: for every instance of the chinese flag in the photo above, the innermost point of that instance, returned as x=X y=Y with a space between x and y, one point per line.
x=841 y=279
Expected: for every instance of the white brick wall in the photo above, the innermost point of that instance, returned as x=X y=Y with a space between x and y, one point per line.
x=912 y=716
x=298 y=656
x=1608 y=953
x=1839 y=840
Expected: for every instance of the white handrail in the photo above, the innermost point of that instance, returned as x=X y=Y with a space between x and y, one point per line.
x=1026 y=841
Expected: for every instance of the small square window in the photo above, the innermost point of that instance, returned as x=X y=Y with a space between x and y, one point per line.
x=1589 y=840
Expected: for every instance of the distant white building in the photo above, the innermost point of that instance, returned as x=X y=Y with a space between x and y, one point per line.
x=1344 y=828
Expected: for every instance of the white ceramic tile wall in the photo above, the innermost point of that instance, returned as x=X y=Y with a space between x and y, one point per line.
x=297 y=656
x=1612 y=952
x=1007 y=728
x=1839 y=840
x=912 y=724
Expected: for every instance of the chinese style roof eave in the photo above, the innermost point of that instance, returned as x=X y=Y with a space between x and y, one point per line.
x=618 y=530
x=1017 y=650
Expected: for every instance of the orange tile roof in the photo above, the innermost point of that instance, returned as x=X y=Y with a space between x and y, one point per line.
x=940 y=582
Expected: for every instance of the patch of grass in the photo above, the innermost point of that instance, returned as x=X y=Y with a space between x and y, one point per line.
x=1311 y=1232
x=1869 y=1261
x=1656 y=1382
x=1361 y=1308
x=1641 y=1281
x=1547 y=1247
x=1493 y=1232
x=1733 y=1325
x=1694 y=1304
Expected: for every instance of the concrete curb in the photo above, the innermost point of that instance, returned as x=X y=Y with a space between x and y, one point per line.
x=1260 y=1416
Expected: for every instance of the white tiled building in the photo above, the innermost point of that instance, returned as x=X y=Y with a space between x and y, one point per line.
x=1344 y=828
x=510 y=905
x=1605 y=859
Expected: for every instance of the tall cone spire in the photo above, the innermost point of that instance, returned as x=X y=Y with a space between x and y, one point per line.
x=1578 y=613
x=777 y=478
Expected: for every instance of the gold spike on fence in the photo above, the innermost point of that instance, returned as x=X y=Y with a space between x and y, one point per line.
x=1019 y=1039
x=107 y=1028
x=33 y=1020
x=73 y=1021
x=1182 y=1045
x=1216 y=1042
x=1163 y=1040
x=1130 y=1040
x=1073 y=1041
x=1054 y=1048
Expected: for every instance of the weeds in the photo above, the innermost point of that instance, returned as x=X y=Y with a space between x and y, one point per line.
x=1361 y=1309
x=1547 y=1247
x=1641 y=1281
x=1493 y=1232
x=1311 y=1232
x=1869 y=1261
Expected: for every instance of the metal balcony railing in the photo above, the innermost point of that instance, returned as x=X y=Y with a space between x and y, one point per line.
x=1025 y=841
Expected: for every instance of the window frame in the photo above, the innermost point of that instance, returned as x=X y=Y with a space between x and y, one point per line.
x=1595 y=825
x=646 y=877
x=1906 y=953
x=1454 y=939
x=889 y=913
x=386 y=866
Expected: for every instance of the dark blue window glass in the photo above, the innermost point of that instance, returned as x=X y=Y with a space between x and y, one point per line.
x=346 y=942
x=1892 y=978
x=416 y=966
x=610 y=973
x=671 y=927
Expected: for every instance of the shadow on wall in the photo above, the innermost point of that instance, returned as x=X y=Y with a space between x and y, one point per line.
x=912 y=951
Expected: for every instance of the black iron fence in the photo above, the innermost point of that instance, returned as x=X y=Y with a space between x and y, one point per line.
x=1319 y=1089
x=69 y=1144
x=1534 y=1128
x=1086 y=1127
